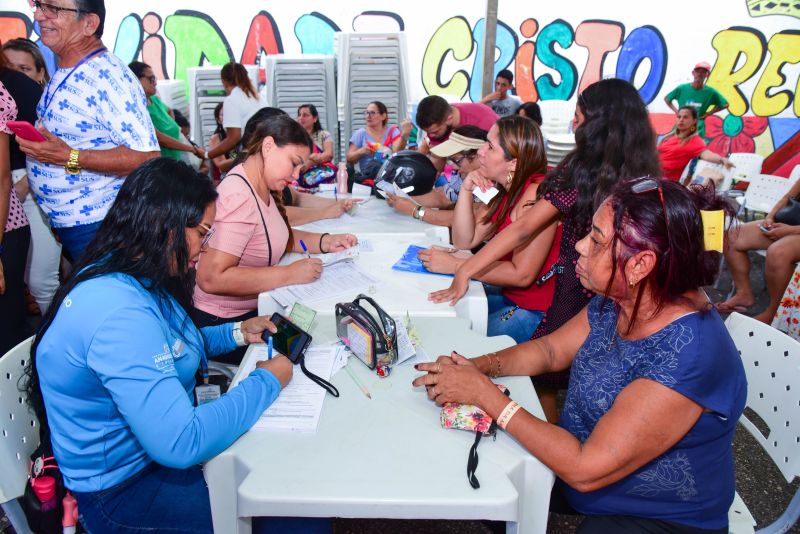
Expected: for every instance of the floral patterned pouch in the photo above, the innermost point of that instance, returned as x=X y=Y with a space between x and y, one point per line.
x=471 y=418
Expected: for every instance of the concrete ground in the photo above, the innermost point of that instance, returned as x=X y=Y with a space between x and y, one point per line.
x=758 y=481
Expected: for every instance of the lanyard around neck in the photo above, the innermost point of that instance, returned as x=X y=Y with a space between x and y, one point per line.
x=48 y=101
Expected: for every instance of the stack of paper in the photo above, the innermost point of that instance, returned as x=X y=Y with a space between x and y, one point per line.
x=343 y=278
x=298 y=407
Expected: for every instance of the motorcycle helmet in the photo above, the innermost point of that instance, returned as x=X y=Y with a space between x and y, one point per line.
x=413 y=172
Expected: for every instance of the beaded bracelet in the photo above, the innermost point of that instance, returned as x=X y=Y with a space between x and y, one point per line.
x=507 y=413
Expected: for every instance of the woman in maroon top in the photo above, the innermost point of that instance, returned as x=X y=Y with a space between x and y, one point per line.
x=683 y=144
x=613 y=141
x=513 y=160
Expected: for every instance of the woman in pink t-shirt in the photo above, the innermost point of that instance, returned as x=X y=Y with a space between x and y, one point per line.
x=251 y=231
x=683 y=144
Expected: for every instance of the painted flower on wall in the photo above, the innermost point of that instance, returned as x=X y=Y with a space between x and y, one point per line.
x=734 y=134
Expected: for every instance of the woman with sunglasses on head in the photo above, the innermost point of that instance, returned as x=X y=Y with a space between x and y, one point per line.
x=514 y=160
x=461 y=149
x=683 y=144
x=167 y=130
x=112 y=370
x=252 y=231
x=613 y=140
x=645 y=440
x=377 y=137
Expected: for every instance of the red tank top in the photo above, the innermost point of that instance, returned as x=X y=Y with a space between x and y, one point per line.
x=534 y=297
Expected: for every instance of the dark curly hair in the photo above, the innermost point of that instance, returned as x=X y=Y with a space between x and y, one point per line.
x=614 y=142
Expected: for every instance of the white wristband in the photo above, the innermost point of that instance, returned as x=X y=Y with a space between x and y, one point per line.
x=238 y=335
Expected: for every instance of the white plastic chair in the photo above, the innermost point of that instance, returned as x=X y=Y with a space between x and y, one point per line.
x=19 y=434
x=556 y=116
x=746 y=166
x=772 y=364
x=763 y=192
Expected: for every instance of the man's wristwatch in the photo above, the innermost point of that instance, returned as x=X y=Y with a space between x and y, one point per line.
x=72 y=166
x=419 y=213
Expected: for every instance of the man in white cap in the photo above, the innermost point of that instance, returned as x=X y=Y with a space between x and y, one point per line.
x=436 y=207
x=697 y=94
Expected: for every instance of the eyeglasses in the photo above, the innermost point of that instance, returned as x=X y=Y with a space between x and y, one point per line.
x=52 y=12
x=371 y=113
x=457 y=161
x=206 y=238
x=151 y=78
x=646 y=186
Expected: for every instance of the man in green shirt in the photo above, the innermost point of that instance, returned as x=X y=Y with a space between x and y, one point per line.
x=697 y=94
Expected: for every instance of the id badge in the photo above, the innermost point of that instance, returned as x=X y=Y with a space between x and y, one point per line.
x=206 y=393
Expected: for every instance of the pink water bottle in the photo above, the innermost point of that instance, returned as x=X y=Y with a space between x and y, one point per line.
x=341 y=178
x=70 y=518
x=45 y=489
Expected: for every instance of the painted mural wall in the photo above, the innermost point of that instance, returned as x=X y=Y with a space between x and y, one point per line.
x=555 y=49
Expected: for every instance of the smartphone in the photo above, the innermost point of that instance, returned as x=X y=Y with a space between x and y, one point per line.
x=289 y=340
x=26 y=131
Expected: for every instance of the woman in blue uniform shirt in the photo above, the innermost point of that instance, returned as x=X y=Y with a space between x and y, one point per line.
x=113 y=367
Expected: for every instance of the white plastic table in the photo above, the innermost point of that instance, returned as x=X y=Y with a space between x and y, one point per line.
x=376 y=216
x=398 y=292
x=387 y=457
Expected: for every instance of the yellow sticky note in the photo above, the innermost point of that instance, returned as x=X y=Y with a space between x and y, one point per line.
x=713 y=229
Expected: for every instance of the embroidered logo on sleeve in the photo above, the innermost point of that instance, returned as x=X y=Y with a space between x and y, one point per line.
x=164 y=361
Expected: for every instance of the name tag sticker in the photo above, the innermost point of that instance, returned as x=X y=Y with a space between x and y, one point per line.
x=206 y=393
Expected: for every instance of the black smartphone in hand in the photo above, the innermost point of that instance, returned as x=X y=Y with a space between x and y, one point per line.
x=289 y=340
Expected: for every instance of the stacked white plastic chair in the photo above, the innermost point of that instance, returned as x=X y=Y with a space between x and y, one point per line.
x=19 y=434
x=556 y=120
x=558 y=146
x=205 y=92
x=370 y=66
x=173 y=94
x=304 y=79
x=772 y=364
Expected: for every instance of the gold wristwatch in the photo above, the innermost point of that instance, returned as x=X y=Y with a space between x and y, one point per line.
x=72 y=166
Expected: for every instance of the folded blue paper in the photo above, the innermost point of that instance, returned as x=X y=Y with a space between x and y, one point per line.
x=410 y=263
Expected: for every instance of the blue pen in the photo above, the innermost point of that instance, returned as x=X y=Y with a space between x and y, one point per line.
x=269 y=347
x=305 y=248
x=335 y=194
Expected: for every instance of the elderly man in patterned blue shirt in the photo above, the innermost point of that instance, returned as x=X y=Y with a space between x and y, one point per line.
x=93 y=116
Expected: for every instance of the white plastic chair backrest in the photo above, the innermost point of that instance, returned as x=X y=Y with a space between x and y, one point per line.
x=703 y=166
x=795 y=175
x=746 y=165
x=772 y=364
x=764 y=191
x=19 y=429
x=556 y=115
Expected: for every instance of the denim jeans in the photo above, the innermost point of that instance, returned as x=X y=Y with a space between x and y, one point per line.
x=163 y=499
x=154 y=499
x=75 y=239
x=506 y=318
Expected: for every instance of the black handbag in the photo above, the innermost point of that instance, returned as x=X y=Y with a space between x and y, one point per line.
x=790 y=213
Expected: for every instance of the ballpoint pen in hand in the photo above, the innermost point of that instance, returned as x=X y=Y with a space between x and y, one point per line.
x=269 y=347
x=305 y=248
